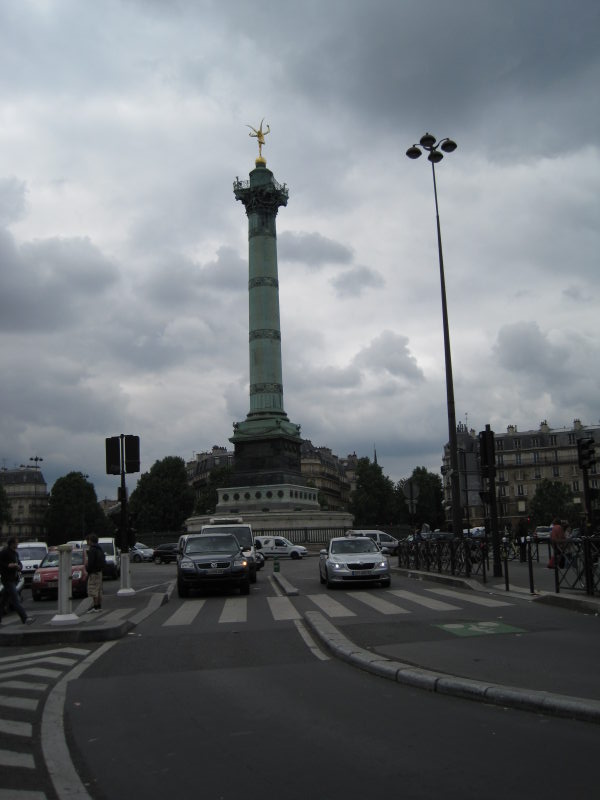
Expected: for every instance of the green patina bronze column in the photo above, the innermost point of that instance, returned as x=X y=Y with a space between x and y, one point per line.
x=267 y=444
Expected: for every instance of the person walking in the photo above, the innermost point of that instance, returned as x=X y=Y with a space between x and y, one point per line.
x=95 y=565
x=10 y=567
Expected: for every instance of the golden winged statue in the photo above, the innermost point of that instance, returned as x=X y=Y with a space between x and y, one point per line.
x=259 y=135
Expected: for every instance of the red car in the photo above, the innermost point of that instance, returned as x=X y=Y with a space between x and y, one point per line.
x=45 y=578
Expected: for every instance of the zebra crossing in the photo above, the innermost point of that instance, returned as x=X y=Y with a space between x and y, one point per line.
x=25 y=681
x=338 y=605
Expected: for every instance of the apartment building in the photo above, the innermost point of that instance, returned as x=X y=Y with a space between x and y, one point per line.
x=28 y=497
x=523 y=460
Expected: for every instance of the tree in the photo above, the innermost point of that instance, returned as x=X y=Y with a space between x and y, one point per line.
x=73 y=511
x=207 y=496
x=162 y=499
x=5 y=514
x=552 y=499
x=429 y=506
x=374 y=501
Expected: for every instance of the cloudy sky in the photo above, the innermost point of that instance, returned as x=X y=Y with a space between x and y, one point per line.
x=123 y=253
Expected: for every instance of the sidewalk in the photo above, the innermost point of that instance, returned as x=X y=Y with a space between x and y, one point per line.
x=119 y=615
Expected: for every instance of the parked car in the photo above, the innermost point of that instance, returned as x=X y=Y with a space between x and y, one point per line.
x=165 y=553
x=353 y=559
x=45 y=578
x=542 y=533
x=112 y=556
x=379 y=537
x=141 y=552
x=31 y=555
x=212 y=559
x=279 y=546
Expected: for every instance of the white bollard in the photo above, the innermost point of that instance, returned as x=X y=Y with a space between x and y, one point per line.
x=65 y=615
x=125 y=589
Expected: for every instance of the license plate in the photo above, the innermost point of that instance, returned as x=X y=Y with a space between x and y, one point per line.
x=52 y=584
x=217 y=571
x=358 y=572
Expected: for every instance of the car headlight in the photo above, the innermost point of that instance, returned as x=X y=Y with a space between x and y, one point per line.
x=77 y=575
x=382 y=564
x=336 y=565
x=37 y=578
x=186 y=564
x=240 y=562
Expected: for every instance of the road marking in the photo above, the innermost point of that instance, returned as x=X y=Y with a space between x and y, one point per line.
x=9 y=758
x=36 y=672
x=282 y=608
x=428 y=602
x=309 y=641
x=379 y=604
x=479 y=628
x=12 y=728
x=52 y=660
x=470 y=598
x=235 y=610
x=330 y=606
x=29 y=687
x=18 y=794
x=23 y=703
x=185 y=614
x=43 y=653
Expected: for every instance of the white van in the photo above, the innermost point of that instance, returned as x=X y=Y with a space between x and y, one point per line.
x=30 y=556
x=380 y=538
x=112 y=556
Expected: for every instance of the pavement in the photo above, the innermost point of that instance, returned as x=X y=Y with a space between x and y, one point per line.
x=375 y=648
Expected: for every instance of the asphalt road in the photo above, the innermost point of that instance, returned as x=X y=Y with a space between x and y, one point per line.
x=220 y=698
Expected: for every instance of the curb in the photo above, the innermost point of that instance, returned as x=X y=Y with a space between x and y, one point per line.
x=60 y=634
x=578 y=708
x=285 y=585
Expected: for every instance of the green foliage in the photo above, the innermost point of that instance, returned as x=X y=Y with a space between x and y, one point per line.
x=375 y=501
x=73 y=511
x=5 y=515
x=429 y=506
x=552 y=499
x=162 y=499
x=207 y=497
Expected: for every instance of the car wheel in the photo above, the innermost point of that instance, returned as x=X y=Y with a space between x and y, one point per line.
x=137 y=559
x=245 y=587
x=182 y=590
x=294 y=554
x=321 y=578
x=157 y=560
x=327 y=581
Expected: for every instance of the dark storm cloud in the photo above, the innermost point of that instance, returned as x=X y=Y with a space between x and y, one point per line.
x=353 y=282
x=49 y=284
x=523 y=348
x=312 y=249
x=390 y=353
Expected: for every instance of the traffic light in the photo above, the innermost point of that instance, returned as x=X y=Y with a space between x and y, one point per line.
x=132 y=453
x=585 y=452
x=113 y=455
x=487 y=452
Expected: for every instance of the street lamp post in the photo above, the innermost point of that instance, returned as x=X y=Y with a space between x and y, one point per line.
x=428 y=143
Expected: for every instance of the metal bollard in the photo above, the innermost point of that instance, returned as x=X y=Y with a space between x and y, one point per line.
x=275 y=565
x=505 y=559
x=65 y=614
x=530 y=565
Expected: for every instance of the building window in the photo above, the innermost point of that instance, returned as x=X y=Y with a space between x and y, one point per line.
x=576 y=486
x=536 y=458
x=517 y=444
x=552 y=440
x=503 y=491
x=538 y=475
x=518 y=458
x=499 y=444
x=535 y=442
x=500 y=459
x=520 y=490
x=501 y=476
x=572 y=438
x=556 y=455
x=594 y=483
x=555 y=472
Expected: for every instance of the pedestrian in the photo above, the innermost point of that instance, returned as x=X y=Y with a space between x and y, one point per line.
x=95 y=565
x=10 y=568
x=557 y=543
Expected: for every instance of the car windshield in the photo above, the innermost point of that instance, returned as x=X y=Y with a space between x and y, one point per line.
x=51 y=560
x=108 y=548
x=31 y=553
x=243 y=534
x=212 y=544
x=354 y=546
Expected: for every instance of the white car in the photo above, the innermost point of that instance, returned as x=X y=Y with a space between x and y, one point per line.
x=279 y=547
x=141 y=552
x=353 y=559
